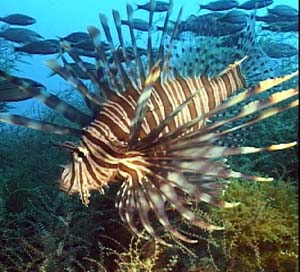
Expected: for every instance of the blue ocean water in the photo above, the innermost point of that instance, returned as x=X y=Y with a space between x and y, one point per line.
x=60 y=18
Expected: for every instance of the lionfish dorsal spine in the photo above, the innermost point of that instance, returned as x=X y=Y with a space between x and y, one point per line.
x=167 y=56
x=52 y=101
x=130 y=80
x=142 y=102
x=90 y=96
x=102 y=62
x=15 y=119
x=140 y=73
x=115 y=56
x=150 y=60
x=165 y=30
x=69 y=75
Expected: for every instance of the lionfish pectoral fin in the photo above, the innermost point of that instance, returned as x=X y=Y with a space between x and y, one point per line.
x=38 y=125
x=169 y=192
x=141 y=107
x=158 y=204
x=51 y=100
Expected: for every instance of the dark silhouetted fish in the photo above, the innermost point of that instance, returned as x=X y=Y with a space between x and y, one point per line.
x=18 y=19
x=138 y=24
x=20 y=35
x=88 y=45
x=283 y=10
x=76 y=37
x=220 y=5
x=152 y=131
x=4 y=107
x=74 y=67
x=170 y=26
x=159 y=6
x=255 y=4
x=130 y=54
x=272 y=18
x=44 y=47
x=9 y=92
x=282 y=27
x=85 y=53
x=209 y=25
x=234 y=17
x=279 y=50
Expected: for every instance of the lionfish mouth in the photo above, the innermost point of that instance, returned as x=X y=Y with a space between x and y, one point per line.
x=163 y=122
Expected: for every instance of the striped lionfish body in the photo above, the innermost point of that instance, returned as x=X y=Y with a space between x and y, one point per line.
x=151 y=126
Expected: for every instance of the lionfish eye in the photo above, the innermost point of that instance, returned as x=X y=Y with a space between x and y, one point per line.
x=80 y=154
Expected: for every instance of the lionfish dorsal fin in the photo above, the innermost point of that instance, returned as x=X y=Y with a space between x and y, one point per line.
x=141 y=106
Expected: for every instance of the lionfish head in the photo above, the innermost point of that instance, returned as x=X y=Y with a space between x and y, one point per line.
x=78 y=177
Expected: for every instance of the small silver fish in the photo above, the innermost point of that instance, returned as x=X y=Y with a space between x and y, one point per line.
x=18 y=19
x=159 y=6
x=255 y=4
x=220 y=5
x=76 y=37
x=20 y=35
x=88 y=45
x=279 y=50
x=272 y=18
x=138 y=24
x=283 y=10
x=78 y=71
x=4 y=107
x=10 y=93
x=44 y=47
x=234 y=17
x=282 y=27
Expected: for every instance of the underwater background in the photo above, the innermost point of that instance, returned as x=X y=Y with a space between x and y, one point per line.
x=42 y=229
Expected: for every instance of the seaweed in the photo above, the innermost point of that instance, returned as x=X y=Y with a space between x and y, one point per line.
x=261 y=234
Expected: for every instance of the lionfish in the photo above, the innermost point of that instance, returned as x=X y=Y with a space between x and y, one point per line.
x=152 y=124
